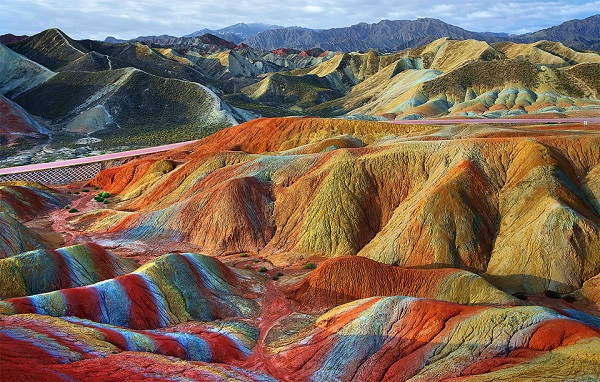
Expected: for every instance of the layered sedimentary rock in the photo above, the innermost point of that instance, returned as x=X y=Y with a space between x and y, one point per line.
x=456 y=217
x=172 y=289
x=517 y=204
x=53 y=349
x=21 y=202
x=15 y=238
x=26 y=200
x=16 y=125
x=401 y=338
x=68 y=267
x=344 y=279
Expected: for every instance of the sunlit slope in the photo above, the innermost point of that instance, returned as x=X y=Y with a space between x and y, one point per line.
x=517 y=204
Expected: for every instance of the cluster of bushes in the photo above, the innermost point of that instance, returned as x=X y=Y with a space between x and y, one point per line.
x=144 y=136
x=483 y=75
x=71 y=210
x=102 y=197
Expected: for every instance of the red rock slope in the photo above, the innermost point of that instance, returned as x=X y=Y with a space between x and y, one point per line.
x=520 y=204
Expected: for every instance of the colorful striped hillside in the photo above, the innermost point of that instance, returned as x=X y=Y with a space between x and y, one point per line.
x=71 y=346
x=343 y=279
x=401 y=338
x=172 y=289
x=68 y=267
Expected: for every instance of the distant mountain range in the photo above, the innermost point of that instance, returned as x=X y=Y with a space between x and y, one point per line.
x=577 y=34
x=396 y=35
x=385 y=36
x=90 y=96
x=238 y=32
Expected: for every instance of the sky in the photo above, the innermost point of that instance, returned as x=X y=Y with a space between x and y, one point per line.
x=96 y=19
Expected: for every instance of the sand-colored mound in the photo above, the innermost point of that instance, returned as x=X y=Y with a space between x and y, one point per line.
x=38 y=347
x=291 y=91
x=344 y=279
x=172 y=289
x=572 y=56
x=588 y=74
x=69 y=267
x=531 y=53
x=452 y=54
x=546 y=53
x=399 y=338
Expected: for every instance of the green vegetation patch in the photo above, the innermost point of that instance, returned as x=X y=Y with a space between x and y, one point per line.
x=589 y=74
x=56 y=98
x=484 y=76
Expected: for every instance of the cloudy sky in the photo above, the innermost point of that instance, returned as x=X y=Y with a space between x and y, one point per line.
x=131 y=18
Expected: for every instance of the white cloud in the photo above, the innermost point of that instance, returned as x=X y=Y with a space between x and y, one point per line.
x=313 y=9
x=131 y=18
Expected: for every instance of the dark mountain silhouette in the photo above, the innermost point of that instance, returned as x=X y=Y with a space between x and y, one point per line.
x=578 y=34
x=237 y=32
x=395 y=35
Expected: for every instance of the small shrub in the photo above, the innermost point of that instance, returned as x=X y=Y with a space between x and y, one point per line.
x=262 y=269
x=76 y=192
x=309 y=266
x=68 y=192
x=243 y=255
x=85 y=190
x=67 y=207
x=552 y=294
x=105 y=194
x=255 y=261
x=96 y=188
x=105 y=201
x=247 y=266
x=275 y=278
x=73 y=210
x=569 y=298
x=279 y=274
